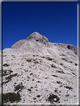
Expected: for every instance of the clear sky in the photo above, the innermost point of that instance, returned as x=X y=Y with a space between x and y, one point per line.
x=56 y=21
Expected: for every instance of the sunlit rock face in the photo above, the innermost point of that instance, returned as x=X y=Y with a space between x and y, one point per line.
x=36 y=71
x=38 y=37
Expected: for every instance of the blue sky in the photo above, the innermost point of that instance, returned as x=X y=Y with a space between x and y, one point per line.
x=56 y=21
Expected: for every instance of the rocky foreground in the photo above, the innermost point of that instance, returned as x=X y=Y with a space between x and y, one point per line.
x=36 y=71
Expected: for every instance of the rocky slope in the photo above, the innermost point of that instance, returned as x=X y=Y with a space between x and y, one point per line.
x=36 y=71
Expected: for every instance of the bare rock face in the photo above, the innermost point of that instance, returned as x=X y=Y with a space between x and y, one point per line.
x=73 y=48
x=38 y=38
x=18 y=44
x=67 y=46
x=36 y=71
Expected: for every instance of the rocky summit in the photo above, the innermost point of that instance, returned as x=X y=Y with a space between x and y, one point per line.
x=36 y=71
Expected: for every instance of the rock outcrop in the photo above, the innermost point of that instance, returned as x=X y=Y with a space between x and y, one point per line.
x=36 y=71
x=67 y=46
x=37 y=38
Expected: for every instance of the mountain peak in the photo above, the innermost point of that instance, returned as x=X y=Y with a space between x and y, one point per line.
x=34 y=35
x=37 y=37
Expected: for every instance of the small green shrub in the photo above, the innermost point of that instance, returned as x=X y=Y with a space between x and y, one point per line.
x=59 y=82
x=19 y=87
x=54 y=75
x=39 y=81
x=6 y=72
x=32 y=79
x=34 y=55
x=34 y=98
x=60 y=72
x=56 y=90
x=64 y=59
x=28 y=77
x=68 y=87
x=31 y=87
x=75 y=64
x=53 y=66
x=36 y=62
x=38 y=96
x=61 y=64
x=28 y=60
x=31 y=73
x=6 y=65
x=11 y=97
x=67 y=95
x=53 y=98
x=5 y=82
x=9 y=77
x=50 y=59
x=29 y=90
x=70 y=61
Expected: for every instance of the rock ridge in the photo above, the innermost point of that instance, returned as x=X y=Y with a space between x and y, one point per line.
x=37 y=38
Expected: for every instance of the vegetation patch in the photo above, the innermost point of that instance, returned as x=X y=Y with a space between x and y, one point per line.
x=39 y=81
x=34 y=98
x=32 y=79
x=36 y=62
x=73 y=73
x=64 y=59
x=60 y=72
x=54 y=75
x=6 y=72
x=5 y=82
x=28 y=60
x=59 y=82
x=38 y=96
x=34 y=55
x=53 y=98
x=19 y=87
x=61 y=64
x=70 y=61
x=11 y=97
x=6 y=65
x=75 y=64
x=67 y=95
x=9 y=77
x=48 y=58
x=29 y=90
x=68 y=87
x=53 y=66
x=31 y=73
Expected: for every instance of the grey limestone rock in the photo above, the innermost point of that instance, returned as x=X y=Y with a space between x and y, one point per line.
x=38 y=38
x=36 y=71
x=67 y=46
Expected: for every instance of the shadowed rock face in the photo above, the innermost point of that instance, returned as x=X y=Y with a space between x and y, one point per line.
x=67 y=46
x=73 y=48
